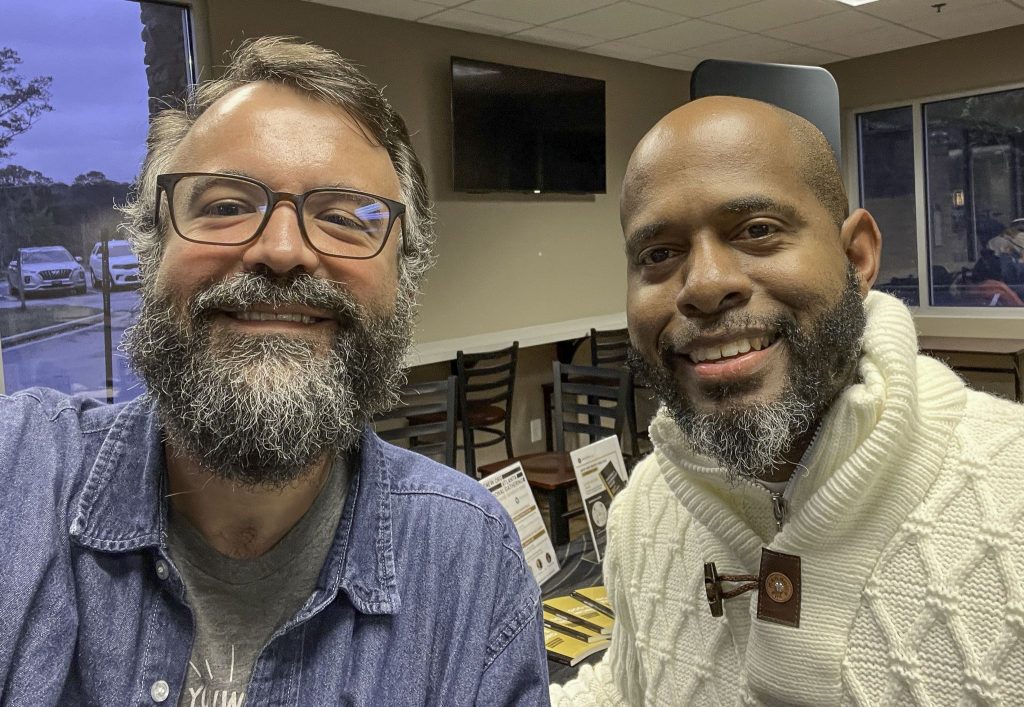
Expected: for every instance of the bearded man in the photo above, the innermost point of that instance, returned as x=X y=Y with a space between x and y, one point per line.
x=239 y=534
x=827 y=517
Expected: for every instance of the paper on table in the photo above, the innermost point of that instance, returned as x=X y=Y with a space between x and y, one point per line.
x=600 y=473
x=510 y=487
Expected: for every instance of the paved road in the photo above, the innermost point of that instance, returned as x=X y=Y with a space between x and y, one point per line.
x=73 y=361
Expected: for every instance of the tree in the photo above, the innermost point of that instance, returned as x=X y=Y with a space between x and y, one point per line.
x=22 y=102
x=14 y=175
x=90 y=177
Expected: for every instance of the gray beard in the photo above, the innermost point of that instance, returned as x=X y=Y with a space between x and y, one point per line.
x=262 y=410
x=753 y=440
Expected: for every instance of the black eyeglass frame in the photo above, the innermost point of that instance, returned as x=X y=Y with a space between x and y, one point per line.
x=165 y=184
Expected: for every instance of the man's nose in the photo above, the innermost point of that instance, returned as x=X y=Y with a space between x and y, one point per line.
x=280 y=246
x=714 y=279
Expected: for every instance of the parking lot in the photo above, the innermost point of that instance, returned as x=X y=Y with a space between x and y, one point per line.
x=71 y=358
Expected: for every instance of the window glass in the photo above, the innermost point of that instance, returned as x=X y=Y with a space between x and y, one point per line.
x=81 y=79
x=886 y=148
x=974 y=193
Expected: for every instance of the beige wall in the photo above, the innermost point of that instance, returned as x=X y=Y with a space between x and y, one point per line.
x=505 y=261
x=975 y=62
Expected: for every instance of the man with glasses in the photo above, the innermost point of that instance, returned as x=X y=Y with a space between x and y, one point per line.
x=238 y=534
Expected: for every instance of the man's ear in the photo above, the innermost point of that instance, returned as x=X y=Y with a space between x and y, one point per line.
x=862 y=243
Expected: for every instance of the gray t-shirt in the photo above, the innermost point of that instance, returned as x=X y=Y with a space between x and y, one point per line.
x=238 y=604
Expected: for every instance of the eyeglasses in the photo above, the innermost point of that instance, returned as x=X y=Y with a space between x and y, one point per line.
x=225 y=209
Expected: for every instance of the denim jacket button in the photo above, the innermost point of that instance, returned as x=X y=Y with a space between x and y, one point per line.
x=160 y=690
x=162 y=572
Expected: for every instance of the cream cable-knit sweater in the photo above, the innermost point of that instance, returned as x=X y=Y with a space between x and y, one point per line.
x=910 y=524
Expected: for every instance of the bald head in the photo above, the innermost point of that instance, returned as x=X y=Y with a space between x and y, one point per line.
x=751 y=126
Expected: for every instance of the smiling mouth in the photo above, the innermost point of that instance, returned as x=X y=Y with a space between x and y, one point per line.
x=731 y=349
x=250 y=316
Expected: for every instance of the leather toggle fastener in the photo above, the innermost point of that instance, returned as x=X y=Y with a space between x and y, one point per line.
x=777 y=585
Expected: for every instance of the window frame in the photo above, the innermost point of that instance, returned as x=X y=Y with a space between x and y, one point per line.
x=932 y=320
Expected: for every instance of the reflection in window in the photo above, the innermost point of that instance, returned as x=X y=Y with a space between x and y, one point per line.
x=65 y=164
x=886 y=146
x=974 y=194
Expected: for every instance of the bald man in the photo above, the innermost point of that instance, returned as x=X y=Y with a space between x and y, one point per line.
x=827 y=518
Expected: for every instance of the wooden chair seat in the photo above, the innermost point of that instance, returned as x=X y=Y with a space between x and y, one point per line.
x=546 y=471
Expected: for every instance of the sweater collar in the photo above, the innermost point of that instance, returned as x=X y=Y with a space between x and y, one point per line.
x=864 y=436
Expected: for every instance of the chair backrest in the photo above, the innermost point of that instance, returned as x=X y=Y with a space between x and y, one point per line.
x=487 y=378
x=608 y=348
x=596 y=393
x=424 y=420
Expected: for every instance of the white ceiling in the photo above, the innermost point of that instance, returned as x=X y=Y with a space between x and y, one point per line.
x=680 y=33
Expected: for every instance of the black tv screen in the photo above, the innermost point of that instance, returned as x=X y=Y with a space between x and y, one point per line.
x=524 y=130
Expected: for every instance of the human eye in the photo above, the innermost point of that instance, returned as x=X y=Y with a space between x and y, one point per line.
x=227 y=208
x=340 y=219
x=651 y=257
x=759 y=230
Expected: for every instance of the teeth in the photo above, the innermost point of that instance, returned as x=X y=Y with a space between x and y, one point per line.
x=729 y=349
x=246 y=316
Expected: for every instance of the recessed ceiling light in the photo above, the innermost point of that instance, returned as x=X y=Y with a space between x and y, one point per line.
x=855 y=3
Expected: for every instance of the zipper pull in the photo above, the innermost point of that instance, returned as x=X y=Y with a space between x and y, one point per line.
x=778 y=508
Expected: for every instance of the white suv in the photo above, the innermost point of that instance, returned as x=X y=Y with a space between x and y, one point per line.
x=124 y=266
x=45 y=269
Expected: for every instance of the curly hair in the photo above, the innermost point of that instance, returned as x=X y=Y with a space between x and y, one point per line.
x=320 y=74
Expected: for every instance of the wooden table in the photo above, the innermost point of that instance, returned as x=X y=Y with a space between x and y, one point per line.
x=969 y=355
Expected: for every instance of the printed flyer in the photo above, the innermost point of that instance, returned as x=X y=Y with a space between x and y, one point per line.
x=510 y=487
x=601 y=474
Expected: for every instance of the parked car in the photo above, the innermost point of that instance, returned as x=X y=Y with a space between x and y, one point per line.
x=124 y=266
x=45 y=269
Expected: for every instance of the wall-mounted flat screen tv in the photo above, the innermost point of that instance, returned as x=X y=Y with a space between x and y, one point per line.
x=523 y=130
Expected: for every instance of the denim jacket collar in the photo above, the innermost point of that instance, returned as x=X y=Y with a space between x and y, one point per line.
x=122 y=509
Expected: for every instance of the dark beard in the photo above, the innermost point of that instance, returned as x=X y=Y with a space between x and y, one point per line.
x=753 y=440
x=262 y=410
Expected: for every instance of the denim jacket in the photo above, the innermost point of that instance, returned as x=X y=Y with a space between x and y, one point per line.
x=423 y=599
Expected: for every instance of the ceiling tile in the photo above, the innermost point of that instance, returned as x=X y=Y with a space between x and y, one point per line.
x=674 y=61
x=556 y=37
x=475 y=22
x=622 y=50
x=807 y=56
x=619 y=20
x=749 y=47
x=695 y=8
x=773 y=13
x=535 y=12
x=402 y=9
x=691 y=33
x=968 y=20
x=907 y=11
x=885 y=39
x=821 y=29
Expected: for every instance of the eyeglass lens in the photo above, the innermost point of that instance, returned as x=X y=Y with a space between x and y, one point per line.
x=224 y=210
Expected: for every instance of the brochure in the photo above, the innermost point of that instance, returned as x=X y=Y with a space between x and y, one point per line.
x=596 y=598
x=580 y=614
x=568 y=650
x=601 y=474
x=571 y=628
x=510 y=487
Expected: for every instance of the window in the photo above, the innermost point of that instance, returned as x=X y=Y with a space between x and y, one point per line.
x=964 y=214
x=886 y=149
x=86 y=77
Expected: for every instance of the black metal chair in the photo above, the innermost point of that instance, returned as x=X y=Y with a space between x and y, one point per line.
x=590 y=401
x=486 y=383
x=425 y=419
x=608 y=349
